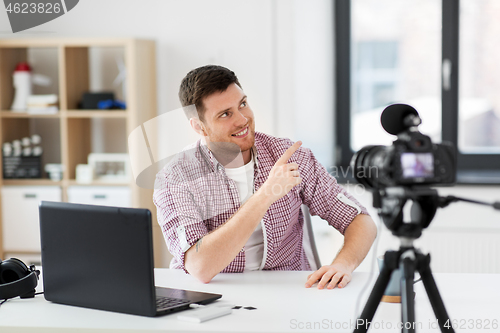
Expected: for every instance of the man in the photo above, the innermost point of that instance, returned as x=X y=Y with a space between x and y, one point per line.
x=232 y=201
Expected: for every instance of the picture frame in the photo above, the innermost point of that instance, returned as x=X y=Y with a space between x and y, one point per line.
x=110 y=167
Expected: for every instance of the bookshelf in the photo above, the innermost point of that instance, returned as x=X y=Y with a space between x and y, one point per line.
x=71 y=127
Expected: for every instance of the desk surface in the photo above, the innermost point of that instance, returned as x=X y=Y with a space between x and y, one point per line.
x=283 y=305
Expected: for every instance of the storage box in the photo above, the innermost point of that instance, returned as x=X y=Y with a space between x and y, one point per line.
x=20 y=218
x=15 y=167
x=117 y=196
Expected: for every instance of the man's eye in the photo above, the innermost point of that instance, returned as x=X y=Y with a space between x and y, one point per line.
x=225 y=114
x=244 y=104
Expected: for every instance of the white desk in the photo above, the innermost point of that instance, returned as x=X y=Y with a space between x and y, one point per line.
x=282 y=302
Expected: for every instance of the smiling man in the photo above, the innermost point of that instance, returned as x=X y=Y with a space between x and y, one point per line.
x=232 y=201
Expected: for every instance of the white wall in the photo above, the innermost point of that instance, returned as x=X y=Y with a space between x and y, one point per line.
x=304 y=72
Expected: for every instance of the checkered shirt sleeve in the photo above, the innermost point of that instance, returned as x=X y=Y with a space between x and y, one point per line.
x=181 y=223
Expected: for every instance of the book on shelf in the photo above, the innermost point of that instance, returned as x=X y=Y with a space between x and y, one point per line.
x=43 y=104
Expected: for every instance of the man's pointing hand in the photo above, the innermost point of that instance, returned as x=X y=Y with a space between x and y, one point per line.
x=283 y=176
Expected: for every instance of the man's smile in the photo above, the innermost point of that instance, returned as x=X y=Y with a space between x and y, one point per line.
x=243 y=133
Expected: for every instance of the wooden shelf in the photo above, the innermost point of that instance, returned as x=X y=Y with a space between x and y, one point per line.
x=11 y=114
x=69 y=113
x=65 y=42
x=48 y=182
x=96 y=114
x=30 y=182
x=73 y=182
x=71 y=132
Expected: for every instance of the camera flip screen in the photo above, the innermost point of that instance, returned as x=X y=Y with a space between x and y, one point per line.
x=415 y=165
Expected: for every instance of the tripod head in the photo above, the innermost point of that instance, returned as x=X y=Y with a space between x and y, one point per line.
x=390 y=202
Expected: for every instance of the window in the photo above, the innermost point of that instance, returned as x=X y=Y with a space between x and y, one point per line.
x=479 y=81
x=393 y=51
x=375 y=74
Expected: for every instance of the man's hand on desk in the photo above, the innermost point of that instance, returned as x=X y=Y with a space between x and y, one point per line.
x=330 y=276
x=359 y=237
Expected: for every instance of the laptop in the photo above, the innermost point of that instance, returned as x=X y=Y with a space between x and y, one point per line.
x=101 y=257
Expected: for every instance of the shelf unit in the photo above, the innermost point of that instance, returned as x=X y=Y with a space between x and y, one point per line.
x=73 y=125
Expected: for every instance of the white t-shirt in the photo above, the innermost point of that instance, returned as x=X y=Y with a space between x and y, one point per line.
x=254 y=247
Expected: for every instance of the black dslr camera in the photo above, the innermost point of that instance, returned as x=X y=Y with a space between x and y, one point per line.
x=411 y=160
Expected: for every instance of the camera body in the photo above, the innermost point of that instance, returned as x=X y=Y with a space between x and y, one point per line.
x=411 y=160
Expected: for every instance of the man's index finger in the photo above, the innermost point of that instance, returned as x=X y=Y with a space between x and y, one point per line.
x=288 y=153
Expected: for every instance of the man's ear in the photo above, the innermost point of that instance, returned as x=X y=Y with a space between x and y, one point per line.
x=198 y=126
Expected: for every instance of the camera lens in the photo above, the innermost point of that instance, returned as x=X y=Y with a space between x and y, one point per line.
x=371 y=165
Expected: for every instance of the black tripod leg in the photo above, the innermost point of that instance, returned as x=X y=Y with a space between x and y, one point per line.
x=363 y=322
x=407 y=300
x=433 y=293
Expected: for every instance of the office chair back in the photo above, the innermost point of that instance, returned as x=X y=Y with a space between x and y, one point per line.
x=309 y=242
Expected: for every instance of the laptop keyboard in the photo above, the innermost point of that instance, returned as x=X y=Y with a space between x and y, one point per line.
x=165 y=303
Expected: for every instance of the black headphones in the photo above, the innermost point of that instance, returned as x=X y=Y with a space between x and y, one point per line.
x=16 y=279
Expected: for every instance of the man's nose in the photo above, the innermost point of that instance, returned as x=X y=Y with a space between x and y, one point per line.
x=242 y=120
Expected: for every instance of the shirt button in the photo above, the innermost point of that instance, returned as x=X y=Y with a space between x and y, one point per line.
x=231 y=186
x=242 y=250
x=219 y=167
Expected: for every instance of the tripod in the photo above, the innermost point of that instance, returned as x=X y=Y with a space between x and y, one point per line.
x=408 y=259
x=390 y=203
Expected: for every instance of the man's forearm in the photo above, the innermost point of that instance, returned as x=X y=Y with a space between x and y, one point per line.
x=215 y=251
x=358 y=238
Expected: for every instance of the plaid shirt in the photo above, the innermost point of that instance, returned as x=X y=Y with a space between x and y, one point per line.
x=194 y=196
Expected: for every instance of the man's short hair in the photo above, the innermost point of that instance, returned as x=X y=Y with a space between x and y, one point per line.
x=203 y=82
